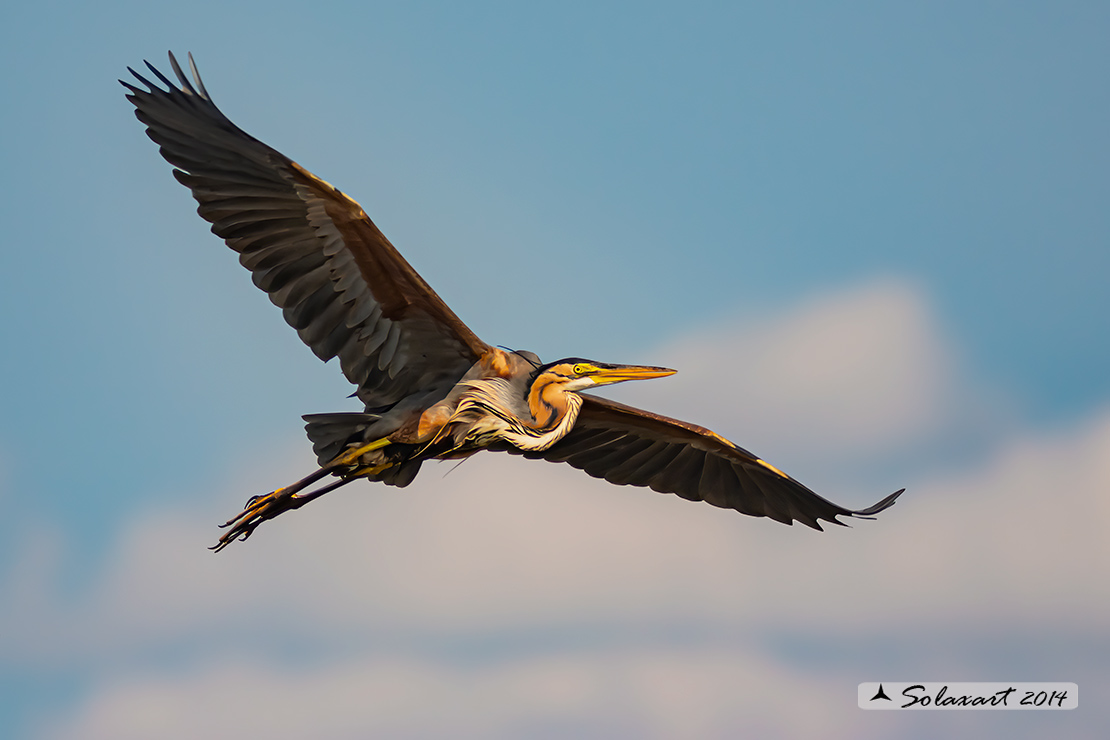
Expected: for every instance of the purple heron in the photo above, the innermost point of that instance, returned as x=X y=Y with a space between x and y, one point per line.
x=431 y=388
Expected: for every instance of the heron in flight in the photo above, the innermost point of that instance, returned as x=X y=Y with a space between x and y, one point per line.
x=431 y=388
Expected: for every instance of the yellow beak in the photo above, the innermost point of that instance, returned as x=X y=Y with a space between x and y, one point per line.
x=621 y=373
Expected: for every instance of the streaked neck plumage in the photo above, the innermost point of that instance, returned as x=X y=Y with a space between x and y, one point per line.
x=494 y=407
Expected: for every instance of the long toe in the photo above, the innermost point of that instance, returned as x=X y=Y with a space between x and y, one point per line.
x=258 y=510
x=261 y=508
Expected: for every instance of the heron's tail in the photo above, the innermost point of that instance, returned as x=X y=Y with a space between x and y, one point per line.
x=337 y=434
x=331 y=433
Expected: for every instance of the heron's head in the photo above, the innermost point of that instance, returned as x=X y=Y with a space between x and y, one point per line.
x=576 y=374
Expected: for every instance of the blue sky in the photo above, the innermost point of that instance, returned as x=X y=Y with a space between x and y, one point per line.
x=889 y=221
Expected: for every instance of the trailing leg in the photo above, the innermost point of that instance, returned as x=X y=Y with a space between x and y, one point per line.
x=261 y=508
x=275 y=503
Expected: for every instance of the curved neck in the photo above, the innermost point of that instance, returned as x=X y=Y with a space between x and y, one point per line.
x=549 y=403
x=553 y=410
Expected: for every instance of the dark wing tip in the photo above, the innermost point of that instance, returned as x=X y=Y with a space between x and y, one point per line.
x=886 y=503
x=193 y=87
x=185 y=84
x=165 y=80
x=196 y=76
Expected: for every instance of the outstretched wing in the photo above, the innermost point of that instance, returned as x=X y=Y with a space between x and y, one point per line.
x=340 y=283
x=629 y=446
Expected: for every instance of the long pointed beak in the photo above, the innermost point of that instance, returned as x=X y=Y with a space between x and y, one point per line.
x=621 y=373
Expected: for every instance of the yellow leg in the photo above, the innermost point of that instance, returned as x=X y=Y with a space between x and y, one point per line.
x=350 y=456
x=261 y=508
x=269 y=506
x=368 y=470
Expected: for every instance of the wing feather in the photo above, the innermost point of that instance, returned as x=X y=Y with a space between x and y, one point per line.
x=340 y=283
x=630 y=446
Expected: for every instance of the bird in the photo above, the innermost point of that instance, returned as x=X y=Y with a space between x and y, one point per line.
x=431 y=389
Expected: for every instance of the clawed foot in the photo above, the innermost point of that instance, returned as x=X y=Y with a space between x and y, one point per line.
x=258 y=510
x=261 y=508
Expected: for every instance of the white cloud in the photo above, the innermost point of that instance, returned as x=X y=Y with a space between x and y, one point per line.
x=855 y=373
x=603 y=694
x=503 y=546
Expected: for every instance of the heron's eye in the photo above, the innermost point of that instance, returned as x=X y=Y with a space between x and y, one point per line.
x=581 y=369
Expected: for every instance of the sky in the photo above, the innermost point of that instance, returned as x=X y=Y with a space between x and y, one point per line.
x=872 y=238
